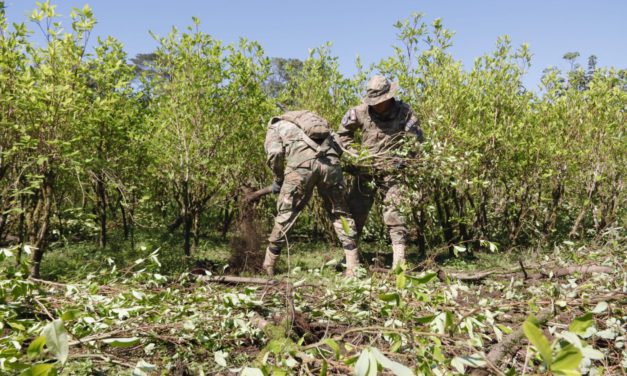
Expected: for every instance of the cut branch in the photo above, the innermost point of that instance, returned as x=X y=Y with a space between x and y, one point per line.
x=586 y=269
x=561 y=272
x=510 y=343
x=229 y=279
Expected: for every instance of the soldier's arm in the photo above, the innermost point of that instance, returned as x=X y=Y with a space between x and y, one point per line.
x=412 y=126
x=275 y=152
x=346 y=131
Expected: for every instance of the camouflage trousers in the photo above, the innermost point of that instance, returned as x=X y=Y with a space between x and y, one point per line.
x=296 y=191
x=361 y=197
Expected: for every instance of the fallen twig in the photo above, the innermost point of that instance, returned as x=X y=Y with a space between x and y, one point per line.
x=461 y=276
x=116 y=333
x=562 y=272
x=378 y=269
x=43 y=307
x=376 y=330
x=306 y=358
x=522 y=267
x=510 y=342
x=43 y=281
x=586 y=269
x=102 y=357
x=235 y=280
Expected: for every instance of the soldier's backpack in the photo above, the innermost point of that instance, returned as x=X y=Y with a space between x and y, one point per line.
x=312 y=125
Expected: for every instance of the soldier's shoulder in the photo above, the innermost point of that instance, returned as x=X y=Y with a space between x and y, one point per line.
x=277 y=123
x=405 y=106
x=353 y=116
x=406 y=110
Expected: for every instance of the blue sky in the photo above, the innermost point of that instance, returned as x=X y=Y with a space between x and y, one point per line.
x=364 y=28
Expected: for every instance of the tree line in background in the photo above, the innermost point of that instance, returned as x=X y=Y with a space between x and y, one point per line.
x=91 y=143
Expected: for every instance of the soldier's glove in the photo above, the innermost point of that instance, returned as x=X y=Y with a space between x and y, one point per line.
x=350 y=169
x=276 y=187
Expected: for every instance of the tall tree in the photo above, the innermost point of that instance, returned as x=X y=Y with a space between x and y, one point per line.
x=282 y=72
x=14 y=79
x=108 y=125
x=56 y=104
x=209 y=110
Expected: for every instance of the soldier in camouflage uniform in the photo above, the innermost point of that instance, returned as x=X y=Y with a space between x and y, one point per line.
x=384 y=122
x=303 y=154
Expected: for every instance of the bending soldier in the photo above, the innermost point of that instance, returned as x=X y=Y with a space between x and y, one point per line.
x=384 y=122
x=303 y=154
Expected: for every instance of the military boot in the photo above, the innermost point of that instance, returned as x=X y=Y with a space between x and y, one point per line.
x=352 y=262
x=398 y=255
x=268 y=262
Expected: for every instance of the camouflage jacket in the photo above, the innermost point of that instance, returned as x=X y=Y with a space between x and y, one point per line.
x=288 y=147
x=381 y=132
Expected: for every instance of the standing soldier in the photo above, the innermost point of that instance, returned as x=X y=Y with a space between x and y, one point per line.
x=303 y=154
x=385 y=122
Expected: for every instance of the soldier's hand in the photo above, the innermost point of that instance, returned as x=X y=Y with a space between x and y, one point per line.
x=276 y=187
x=352 y=169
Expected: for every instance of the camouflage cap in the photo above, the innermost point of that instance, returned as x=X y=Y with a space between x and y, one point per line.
x=379 y=89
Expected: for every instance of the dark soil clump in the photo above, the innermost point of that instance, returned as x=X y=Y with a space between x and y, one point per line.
x=246 y=252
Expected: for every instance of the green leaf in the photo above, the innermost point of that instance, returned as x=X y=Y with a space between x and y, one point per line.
x=248 y=371
x=567 y=361
x=589 y=352
x=580 y=324
x=45 y=369
x=220 y=357
x=493 y=247
x=449 y=321
x=16 y=325
x=505 y=329
x=5 y=253
x=458 y=365
x=475 y=361
x=397 y=342
x=71 y=314
x=567 y=373
x=396 y=368
x=143 y=368
x=14 y=366
x=277 y=371
x=401 y=281
x=57 y=340
x=425 y=319
x=324 y=369
x=537 y=338
x=36 y=347
x=41 y=160
x=600 y=307
x=457 y=249
x=427 y=277
x=122 y=342
x=345 y=226
x=366 y=365
x=334 y=346
x=391 y=297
